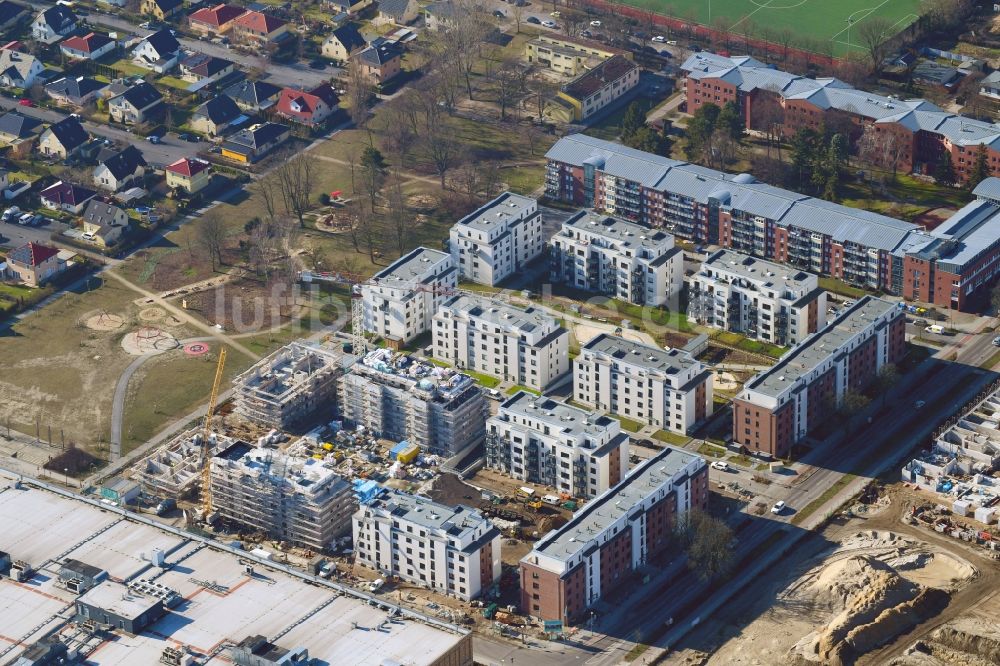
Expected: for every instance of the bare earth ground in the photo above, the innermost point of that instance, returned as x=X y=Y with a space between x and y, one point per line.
x=866 y=585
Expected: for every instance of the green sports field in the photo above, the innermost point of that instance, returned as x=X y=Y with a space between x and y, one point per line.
x=822 y=26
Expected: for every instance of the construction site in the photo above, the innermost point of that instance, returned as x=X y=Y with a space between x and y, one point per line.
x=291 y=387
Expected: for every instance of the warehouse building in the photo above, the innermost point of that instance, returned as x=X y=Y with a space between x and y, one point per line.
x=397 y=397
x=525 y=346
x=287 y=495
x=626 y=527
x=497 y=240
x=666 y=388
x=760 y=299
x=540 y=440
x=400 y=300
x=451 y=550
x=617 y=258
x=779 y=406
x=289 y=388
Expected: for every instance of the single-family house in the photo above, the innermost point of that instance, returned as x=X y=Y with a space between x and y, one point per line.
x=381 y=61
x=76 y=91
x=125 y=168
x=212 y=21
x=11 y=13
x=91 y=46
x=253 y=95
x=200 y=67
x=33 y=264
x=349 y=7
x=990 y=85
x=343 y=42
x=215 y=116
x=136 y=105
x=66 y=197
x=63 y=139
x=188 y=174
x=253 y=143
x=161 y=10
x=307 y=108
x=159 y=52
x=19 y=70
x=103 y=222
x=440 y=15
x=19 y=132
x=396 y=12
x=931 y=73
x=52 y=24
x=255 y=27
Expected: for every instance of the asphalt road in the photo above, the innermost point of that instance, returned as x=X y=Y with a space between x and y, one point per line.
x=17 y=235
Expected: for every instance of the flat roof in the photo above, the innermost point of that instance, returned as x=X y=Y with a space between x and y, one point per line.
x=455 y=520
x=820 y=346
x=115 y=598
x=780 y=277
x=621 y=233
x=504 y=209
x=637 y=353
x=415 y=266
x=563 y=418
x=224 y=604
x=508 y=317
x=615 y=502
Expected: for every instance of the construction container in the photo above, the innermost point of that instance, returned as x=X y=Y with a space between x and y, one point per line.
x=404 y=452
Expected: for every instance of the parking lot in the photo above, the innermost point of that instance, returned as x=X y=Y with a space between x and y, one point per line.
x=17 y=235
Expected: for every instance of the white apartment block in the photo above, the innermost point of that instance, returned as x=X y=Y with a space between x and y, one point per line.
x=669 y=389
x=757 y=298
x=400 y=300
x=522 y=345
x=616 y=258
x=452 y=550
x=497 y=240
x=540 y=440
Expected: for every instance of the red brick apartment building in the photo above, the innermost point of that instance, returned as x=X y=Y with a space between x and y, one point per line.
x=736 y=211
x=572 y=567
x=778 y=407
x=767 y=96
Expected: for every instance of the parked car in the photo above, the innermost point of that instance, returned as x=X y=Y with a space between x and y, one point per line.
x=494 y=394
x=937 y=329
x=152 y=138
x=498 y=14
x=11 y=213
x=996 y=341
x=24 y=101
x=555 y=14
x=778 y=507
x=26 y=220
x=659 y=39
x=595 y=24
x=550 y=24
x=89 y=237
x=534 y=20
x=317 y=64
x=720 y=465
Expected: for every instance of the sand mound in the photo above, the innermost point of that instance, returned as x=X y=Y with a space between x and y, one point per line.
x=152 y=314
x=844 y=579
x=148 y=340
x=104 y=322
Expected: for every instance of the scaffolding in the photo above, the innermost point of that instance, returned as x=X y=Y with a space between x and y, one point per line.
x=174 y=469
x=289 y=387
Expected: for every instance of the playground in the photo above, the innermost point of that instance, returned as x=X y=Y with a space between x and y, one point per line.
x=821 y=26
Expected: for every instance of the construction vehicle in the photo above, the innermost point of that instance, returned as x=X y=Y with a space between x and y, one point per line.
x=206 y=469
x=490 y=611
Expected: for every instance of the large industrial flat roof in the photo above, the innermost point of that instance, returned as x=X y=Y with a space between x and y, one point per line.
x=820 y=346
x=608 y=507
x=223 y=605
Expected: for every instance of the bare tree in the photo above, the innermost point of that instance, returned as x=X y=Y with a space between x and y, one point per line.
x=212 y=234
x=443 y=150
x=399 y=219
x=373 y=169
x=399 y=135
x=368 y=230
x=874 y=34
x=295 y=177
x=508 y=79
x=517 y=13
x=269 y=193
x=359 y=92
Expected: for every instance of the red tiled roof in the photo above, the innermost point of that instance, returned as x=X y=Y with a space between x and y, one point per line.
x=218 y=15
x=187 y=167
x=87 y=43
x=307 y=102
x=259 y=22
x=33 y=254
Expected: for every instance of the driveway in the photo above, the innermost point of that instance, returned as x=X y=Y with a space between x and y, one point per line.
x=17 y=235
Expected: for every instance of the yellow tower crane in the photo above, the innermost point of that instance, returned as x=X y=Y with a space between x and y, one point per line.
x=206 y=469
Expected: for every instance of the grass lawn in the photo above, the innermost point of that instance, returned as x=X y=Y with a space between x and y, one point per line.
x=609 y=127
x=711 y=450
x=991 y=361
x=129 y=68
x=174 y=82
x=486 y=381
x=837 y=287
x=514 y=389
x=671 y=437
x=627 y=423
x=753 y=346
x=815 y=505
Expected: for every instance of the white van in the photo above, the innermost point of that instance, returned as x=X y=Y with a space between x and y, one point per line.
x=934 y=328
x=551 y=499
x=376 y=585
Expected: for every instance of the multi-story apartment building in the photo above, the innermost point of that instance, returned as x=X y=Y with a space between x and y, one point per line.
x=617 y=258
x=915 y=132
x=540 y=440
x=624 y=528
x=571 y=56
x=498 y=239
x=400 y=300
x=607 y=82
x=288 y=495
x=757 y=298
x=400 y=397
x=669 y=389
x=521 y=345
x=451 y=550
x=779 y=406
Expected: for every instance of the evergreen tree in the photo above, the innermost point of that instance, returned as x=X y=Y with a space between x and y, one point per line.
x=944 y=169
x=730 y=120
x=633 y=121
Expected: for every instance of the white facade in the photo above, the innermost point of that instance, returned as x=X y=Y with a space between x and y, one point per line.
x=453 y=551
x=757 y=298
x=669 y=389
x=497 y=240
x=540 y=440
x=19 y=70
x=522 y=345
x=400 y=301
x=616 y=258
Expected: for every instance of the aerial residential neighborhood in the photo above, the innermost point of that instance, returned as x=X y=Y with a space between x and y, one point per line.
x=494 y=332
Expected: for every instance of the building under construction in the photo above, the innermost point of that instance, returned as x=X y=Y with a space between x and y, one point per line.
x=174 y=469
x=398 y=397
x=287 y=495
x=290 y=387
